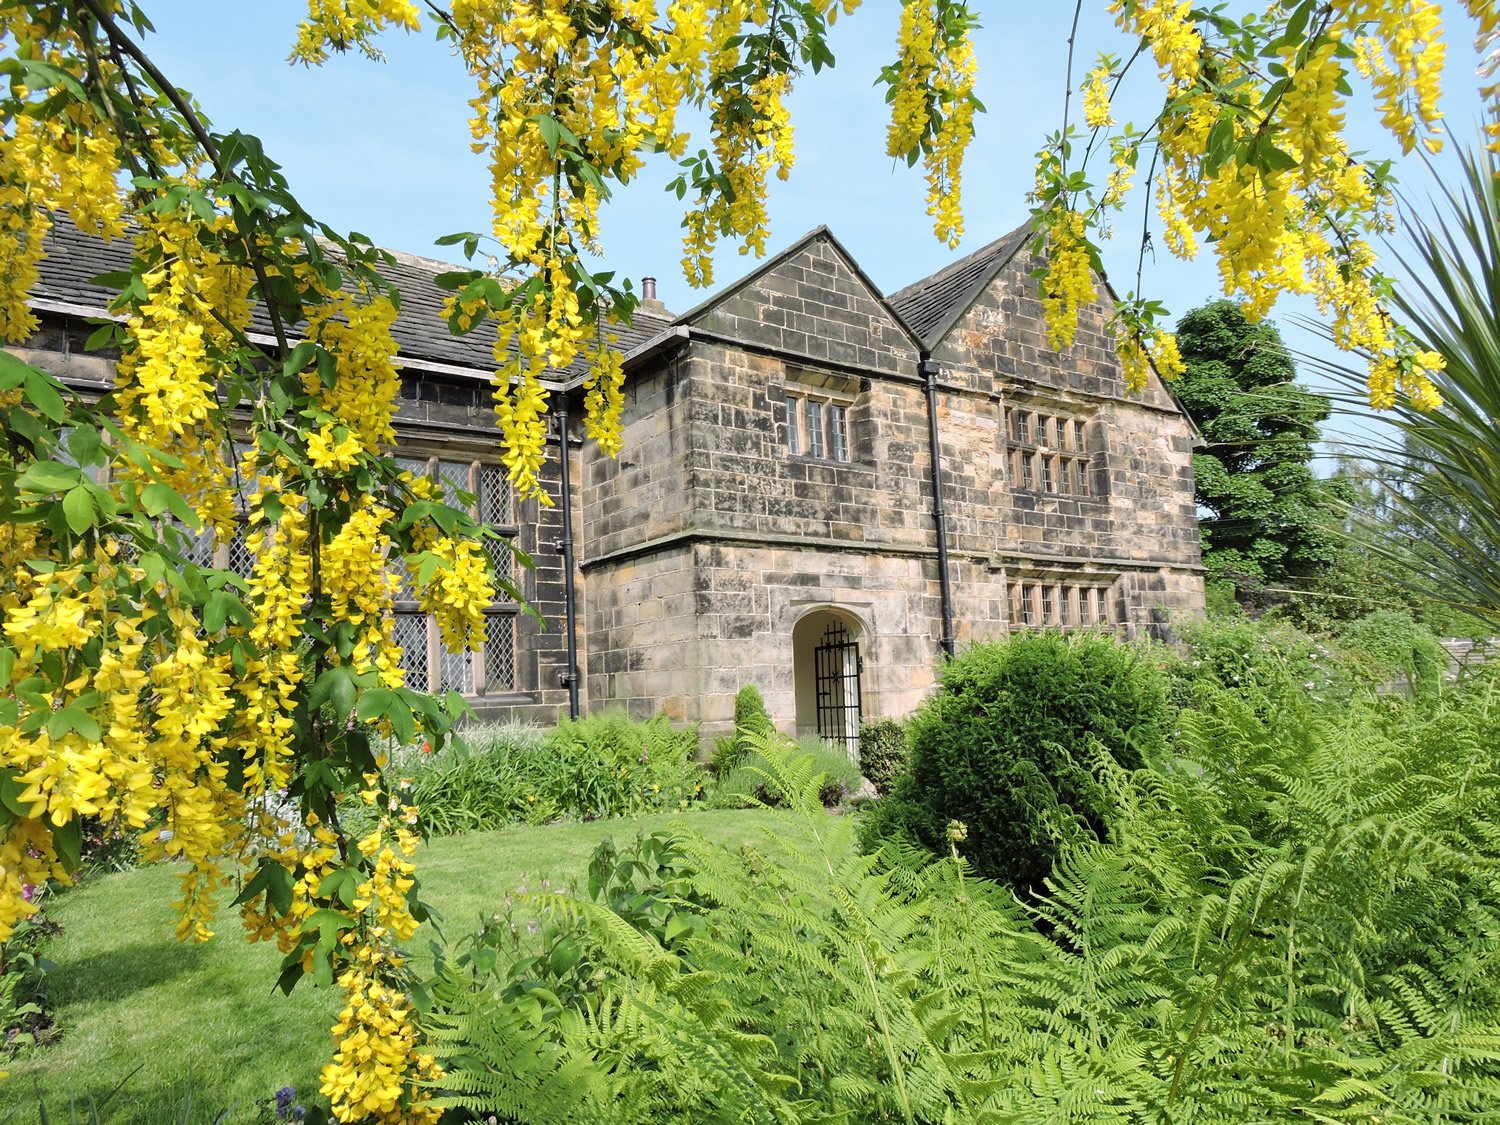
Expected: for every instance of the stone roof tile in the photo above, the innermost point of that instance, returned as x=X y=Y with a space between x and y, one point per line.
x=74 y=259
x=932 y=306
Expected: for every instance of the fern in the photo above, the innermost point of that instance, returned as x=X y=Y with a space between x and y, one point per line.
x=1293 y=917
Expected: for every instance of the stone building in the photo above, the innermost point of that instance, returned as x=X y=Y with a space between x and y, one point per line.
x=822 y=489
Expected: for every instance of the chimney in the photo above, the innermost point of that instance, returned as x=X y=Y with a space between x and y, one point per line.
x=649 y=303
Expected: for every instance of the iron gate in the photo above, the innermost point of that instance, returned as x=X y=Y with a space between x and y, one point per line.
x=836 y=669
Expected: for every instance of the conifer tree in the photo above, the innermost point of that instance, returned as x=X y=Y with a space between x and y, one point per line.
x=1267 y=519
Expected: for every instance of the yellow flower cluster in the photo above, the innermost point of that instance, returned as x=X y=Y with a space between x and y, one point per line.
x=22 y=229
x=1138 y=355
x=332 y=448
x=65 y=160
x=1096 y=110
x=749 y=138
x=1121 y=176
x=943 y=162
x=916 y=62
x=603 y=397
x=932 y=106
x=377 y=1068
x=391 y=879
x=1167 y=25
x=1273 y=186
x=1411 y=374
x=1069 y=284
x=339 y=25
x=27 y=860
x=168 y=377
x=361 y=588
x=147 y=702
x=1403 y=62
x=459 y=592
x=310 y=861
x=525 y=337
x=376 y=1065
x=278 y=588
x=356 y=328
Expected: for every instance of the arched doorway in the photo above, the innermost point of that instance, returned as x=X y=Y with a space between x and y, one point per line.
x=827 y=667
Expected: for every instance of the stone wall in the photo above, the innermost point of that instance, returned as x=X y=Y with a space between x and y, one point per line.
x=709 y=542
x=812 y=304
x=1139 y=519
x=682 y=629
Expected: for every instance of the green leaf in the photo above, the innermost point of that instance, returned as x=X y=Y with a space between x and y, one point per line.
x=13 y=372
x=157 y=498
x=399 y=715
x=337 y=686
x=48 y=476
x=102 y=337
x=272 y=880
x=85 y=445
x=551 y=130
x=291 y=972
x=679 y=925
x=67 y=839
x=72 y=718
x=374 y=704
x=44 y=393
x=456 y=279
x=78 y=509
x=10 y=793
x=328 y=923
x=301 y=355
x=343 y=884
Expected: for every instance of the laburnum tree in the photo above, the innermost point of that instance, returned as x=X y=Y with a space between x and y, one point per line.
x=1269 y=519
x=225 y=720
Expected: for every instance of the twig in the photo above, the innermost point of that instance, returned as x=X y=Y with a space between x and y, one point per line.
x=195 y=125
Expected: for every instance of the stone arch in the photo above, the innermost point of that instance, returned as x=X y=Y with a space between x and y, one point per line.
x=828 y=645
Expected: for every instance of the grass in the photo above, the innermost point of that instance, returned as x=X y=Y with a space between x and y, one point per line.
x=168 y=1018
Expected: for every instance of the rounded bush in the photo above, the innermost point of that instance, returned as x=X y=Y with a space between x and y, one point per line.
x=883 y=752
x=750 y=715
x=1007 y=744
x=750 y=718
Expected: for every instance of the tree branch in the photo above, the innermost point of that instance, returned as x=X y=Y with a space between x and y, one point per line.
x=194 y=123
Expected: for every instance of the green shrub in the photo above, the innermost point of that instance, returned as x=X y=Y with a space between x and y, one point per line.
x=750 y=715
x=1387 y=648
x=601 y=766
x=750 y=719
x=1260 y=661
x=1009 y=742
x=613 y=765
x=883 y=751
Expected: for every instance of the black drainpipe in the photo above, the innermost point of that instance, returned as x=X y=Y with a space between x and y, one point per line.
x=569 y=677
x=929 y=369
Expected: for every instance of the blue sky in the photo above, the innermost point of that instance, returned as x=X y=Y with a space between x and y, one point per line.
x=383 y=148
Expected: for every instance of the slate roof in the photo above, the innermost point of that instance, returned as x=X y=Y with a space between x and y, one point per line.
x=422 y=336
x=931 y=307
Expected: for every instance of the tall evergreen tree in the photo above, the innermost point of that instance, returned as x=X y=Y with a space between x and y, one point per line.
x=1265 y=515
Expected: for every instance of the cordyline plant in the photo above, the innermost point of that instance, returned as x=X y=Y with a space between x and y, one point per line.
x=1440 y=470
x=256 y=384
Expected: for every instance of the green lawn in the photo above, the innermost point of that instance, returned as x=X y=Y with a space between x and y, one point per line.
x=206 y=1018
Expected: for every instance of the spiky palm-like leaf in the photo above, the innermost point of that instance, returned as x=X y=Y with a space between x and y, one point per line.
x=1443 y=466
